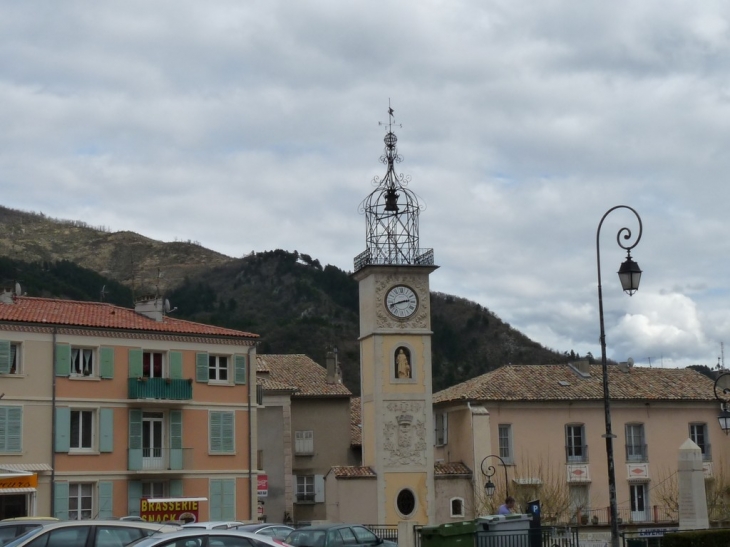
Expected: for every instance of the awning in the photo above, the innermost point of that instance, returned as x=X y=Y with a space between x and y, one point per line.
x=174 y=500
x=26 y=467
x=4 y=491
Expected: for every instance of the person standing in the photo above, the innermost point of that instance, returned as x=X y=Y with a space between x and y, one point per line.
x=508 y=507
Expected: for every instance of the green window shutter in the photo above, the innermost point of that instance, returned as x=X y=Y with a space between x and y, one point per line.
x=201 y=367
x=106 y=362
x=214 y=432
x=63 y=429
x=134 y=496
x=135 y=440
x=4 y=357
x=106 y=430
x=227 y=432
x=14 y=437
x=175 y=358
x=106 y=500
x=135 y=363
x=63 y=359
x=176 y=439
x=3 y=428
x=240 y=361
x=228 y=504
x=60 y=501
x=216 y=499
x=176 y=488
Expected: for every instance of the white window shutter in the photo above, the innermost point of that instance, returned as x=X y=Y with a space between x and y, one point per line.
x=319 y=488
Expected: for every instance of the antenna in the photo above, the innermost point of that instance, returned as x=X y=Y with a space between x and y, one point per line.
x=630 y=362
x=721 y=359
x=160 y=274
x=18 y=290
x=103 y=293
x=649 y=361
x=167 y=308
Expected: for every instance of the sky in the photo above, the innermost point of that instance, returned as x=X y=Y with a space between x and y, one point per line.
x=253 y=126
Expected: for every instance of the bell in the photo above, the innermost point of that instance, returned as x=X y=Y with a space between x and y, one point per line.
x=391 y=200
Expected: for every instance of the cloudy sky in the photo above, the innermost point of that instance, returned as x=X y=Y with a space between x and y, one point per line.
x=253 y=125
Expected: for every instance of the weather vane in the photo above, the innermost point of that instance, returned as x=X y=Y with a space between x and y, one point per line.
x=391 y=117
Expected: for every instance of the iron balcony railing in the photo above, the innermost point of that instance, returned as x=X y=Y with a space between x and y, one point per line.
x=161 y=388
x=576 y=453
x=637 y=453
x=159 y=459
x=366 y=258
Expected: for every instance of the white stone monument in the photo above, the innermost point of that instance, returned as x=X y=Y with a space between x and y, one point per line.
x=691 y=482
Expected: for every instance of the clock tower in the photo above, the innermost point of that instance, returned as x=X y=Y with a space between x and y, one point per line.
x=395 y=347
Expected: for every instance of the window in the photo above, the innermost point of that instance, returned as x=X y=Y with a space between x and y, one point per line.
x=698 y=434
x=305 y=487
x=82 y=430
x=153 y=489
x=639 y=503
x=80 y=501
x=221 y=432
x=505 y=442
x=579 y=500
x=575 y=449
x=82 y=362
x=441 y=420
x=635 y=447
x=152 y=364
x=9 y=357
x=218 y=368
x=303 y=443
x=457 y=507
x=11 y=428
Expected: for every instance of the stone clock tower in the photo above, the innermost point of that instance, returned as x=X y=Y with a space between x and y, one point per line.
x=395 y=348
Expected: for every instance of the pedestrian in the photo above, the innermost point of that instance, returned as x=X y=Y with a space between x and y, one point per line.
x=508 y=507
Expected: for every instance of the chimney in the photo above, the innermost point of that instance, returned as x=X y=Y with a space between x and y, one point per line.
x=7 y=297
x=150 y=306
x=582 y=366
x=624 y=367
x=334 y=376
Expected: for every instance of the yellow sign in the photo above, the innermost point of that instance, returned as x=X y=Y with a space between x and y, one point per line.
x=29 y=481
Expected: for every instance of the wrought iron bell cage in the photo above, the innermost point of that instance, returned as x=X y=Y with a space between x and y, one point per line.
x=391 y=214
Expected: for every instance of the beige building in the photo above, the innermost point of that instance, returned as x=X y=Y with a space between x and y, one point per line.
x=547 y=424
x=103 y=406
x=303 y=430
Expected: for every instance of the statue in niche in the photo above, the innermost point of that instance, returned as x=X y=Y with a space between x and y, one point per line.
x=402 y=362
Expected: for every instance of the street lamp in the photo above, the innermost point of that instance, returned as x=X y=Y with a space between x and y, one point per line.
x=722 y=394
x=629 y=273
x=489 y=487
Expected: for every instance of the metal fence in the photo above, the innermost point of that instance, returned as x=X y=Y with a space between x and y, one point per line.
x=384 y=531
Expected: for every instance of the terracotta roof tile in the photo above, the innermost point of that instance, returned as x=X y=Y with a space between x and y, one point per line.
x=309 y=378
x=355 y=422
x=272 y=385
x=25 y=309
x=562 y=382
x=452 y=468
x=353 y=472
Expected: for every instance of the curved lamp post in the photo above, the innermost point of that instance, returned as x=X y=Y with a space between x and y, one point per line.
x=629 y=273
x=489 y=487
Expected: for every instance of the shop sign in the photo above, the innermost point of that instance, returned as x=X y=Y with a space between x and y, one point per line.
x=21 y=481
x=160 y=510
x=263 y=486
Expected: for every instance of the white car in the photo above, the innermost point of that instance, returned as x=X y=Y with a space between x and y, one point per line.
x=199 y=537
x=90 y=533
x=213 y=524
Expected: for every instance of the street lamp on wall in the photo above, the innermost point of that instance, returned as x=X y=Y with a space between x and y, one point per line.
x=629 y=274
x=722 y=394
x=489 y=472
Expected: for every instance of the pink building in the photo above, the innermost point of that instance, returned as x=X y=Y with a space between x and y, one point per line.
x=547 y=424
x=102 y=406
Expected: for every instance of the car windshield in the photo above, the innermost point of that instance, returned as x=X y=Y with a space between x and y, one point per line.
x=306 y=538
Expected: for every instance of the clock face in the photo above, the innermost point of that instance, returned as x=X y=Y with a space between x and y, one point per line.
x=401 y=301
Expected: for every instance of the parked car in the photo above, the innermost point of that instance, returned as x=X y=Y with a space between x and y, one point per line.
x=214 y=524
x=16 y=527
x=335 y=535
x=89 y=533
x=201 y=537
x=270 y=529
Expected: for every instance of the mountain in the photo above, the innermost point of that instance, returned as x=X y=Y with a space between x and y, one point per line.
x=289 y=298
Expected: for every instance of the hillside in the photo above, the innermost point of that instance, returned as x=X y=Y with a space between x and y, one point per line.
x=290 y=299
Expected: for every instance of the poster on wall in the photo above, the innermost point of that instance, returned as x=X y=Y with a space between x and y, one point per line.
x=263 y=486
x=166 y=509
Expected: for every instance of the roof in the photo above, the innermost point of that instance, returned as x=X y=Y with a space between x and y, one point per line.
x=50 y=311
x=451 y=468
x=301 y=372
x=353 y=472
x=355 y=422
x=563 y=382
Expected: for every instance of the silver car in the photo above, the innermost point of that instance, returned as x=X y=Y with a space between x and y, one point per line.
x=89 y=533
x=198 y=537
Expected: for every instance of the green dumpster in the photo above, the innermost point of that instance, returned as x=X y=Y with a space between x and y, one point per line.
x=451 y=534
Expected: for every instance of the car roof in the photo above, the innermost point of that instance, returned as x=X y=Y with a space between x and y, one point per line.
x=30 y=519
x=208 y=524
x=326 y=526
x=187 y=532
x=262 y=525
x=158 y=526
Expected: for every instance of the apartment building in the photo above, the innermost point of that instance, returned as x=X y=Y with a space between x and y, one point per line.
x=103 y=406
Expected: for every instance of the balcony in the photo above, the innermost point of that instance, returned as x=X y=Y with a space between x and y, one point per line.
x=576 y=453
x=159 y=459
x=171 y=389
